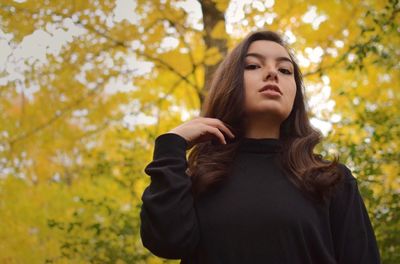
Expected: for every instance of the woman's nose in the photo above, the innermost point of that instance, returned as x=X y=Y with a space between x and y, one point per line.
x=270 y=73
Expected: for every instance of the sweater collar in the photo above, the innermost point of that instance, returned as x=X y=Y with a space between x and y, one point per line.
x=260 y=145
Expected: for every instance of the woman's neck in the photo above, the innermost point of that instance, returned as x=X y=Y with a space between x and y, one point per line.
x=262 y=129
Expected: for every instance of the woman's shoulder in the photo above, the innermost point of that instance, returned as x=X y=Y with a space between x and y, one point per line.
x=343 y=169
x=346 y=172
x=346 y=185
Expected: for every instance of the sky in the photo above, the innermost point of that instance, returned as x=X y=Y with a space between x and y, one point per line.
x=51 y=39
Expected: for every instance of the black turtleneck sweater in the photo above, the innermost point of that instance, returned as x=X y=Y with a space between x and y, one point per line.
x=256 y=216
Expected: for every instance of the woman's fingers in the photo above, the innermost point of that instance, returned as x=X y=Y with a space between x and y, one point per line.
x=215 y=131
x=201 y=129
x=218 y=123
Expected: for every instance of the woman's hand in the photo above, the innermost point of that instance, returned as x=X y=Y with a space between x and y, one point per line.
x=202 y=129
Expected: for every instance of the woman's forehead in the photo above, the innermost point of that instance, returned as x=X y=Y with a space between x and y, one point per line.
x=267 y=48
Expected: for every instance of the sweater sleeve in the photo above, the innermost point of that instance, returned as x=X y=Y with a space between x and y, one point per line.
x=169 y=226
x=353 y=236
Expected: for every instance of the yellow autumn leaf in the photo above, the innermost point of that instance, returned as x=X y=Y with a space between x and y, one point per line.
x=219 y=32
x=212 y=56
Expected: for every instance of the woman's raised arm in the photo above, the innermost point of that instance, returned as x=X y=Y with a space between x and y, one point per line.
x=169 y=226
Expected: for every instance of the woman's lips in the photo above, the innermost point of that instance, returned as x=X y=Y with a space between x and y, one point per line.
x=271 y=87
x=271 y=93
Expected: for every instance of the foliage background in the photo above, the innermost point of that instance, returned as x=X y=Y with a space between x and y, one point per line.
x=86 y=86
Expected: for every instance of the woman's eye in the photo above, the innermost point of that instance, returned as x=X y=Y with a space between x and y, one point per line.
x=285 y=71
x=251 y=66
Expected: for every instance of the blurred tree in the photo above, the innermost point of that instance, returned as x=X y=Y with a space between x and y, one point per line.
x=80 y=112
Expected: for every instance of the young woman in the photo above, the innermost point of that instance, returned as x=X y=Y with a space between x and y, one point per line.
x=252 y=190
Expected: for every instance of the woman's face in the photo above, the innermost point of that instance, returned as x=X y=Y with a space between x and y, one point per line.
x=268 y=68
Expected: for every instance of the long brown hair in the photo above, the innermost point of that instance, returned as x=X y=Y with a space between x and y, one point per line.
x=209 y=164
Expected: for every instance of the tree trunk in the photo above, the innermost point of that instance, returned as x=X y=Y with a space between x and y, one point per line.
x=211 y=17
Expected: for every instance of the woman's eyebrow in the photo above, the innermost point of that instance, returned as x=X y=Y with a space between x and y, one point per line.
x=262 y=57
